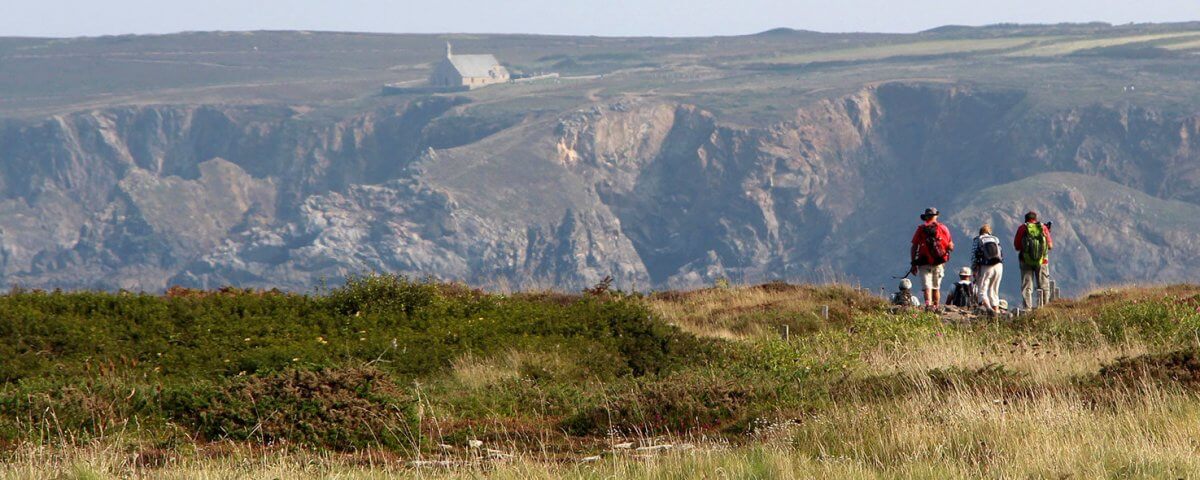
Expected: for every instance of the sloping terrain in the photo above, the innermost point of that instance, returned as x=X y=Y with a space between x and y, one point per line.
x=269 y=159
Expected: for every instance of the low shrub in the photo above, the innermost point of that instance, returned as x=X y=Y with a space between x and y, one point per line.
x=385 y=293
x=343 y=408
x=680 y=404
x=1180 y=367
x=58 y=411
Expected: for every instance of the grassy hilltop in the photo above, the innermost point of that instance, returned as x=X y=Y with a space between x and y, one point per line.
x=390 y=376
x=746 y=77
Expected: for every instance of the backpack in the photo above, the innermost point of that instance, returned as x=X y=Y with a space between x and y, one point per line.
x=990 y=253
x=936 y=253
x=1033 y=247
x=904 y=299
x=961 y=297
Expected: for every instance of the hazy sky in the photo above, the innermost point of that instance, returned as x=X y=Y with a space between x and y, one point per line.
x=577 y=17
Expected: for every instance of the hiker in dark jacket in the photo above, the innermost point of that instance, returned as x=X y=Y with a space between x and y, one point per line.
x=931 y=247
x=964 y=291
x=1033 y=242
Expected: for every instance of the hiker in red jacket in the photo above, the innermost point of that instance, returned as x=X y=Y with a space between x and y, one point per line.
x=1033 y=242
x=931 y=247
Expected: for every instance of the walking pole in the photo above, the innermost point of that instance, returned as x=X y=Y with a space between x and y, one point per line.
x=1053 y=286
x=906 y=274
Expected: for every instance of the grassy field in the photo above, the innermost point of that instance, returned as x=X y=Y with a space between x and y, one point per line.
x=387 y=376
x=910 y=49
x=1044 y=46
x=1187 y=44
x=1073 y=46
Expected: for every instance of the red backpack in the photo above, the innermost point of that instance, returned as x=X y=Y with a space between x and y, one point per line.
x=935 y=249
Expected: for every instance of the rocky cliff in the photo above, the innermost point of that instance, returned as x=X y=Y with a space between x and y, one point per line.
x=655 y=192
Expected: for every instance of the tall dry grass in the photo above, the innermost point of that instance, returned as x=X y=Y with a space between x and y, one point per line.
x=1045 y=361
x=1143 y=432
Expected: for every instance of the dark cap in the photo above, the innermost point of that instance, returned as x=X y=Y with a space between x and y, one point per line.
x=1031 y=216
x=929 y=213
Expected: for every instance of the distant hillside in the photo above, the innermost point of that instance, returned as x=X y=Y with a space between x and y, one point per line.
x=271 y=159
x=1107 y=234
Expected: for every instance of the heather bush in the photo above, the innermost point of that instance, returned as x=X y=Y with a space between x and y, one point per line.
x=343 y=409
x=269 y=366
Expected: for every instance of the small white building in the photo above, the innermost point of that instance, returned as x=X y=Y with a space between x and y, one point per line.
x=471 y=71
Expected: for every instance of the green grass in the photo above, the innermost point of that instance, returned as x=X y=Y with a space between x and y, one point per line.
x=362 y=380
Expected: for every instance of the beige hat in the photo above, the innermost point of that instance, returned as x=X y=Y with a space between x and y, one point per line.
x=965 y=272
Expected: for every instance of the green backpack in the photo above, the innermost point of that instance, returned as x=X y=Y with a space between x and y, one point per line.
x=1034 y=248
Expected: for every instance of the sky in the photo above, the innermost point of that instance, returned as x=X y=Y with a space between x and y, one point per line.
x=70 y=18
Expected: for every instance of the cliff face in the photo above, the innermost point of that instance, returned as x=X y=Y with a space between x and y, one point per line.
x=1105 y=233
x=652 y=192
x=837 y=190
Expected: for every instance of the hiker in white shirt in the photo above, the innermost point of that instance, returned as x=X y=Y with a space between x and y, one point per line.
x=988 y=261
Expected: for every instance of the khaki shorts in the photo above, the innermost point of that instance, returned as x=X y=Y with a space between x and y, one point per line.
x=931 y=276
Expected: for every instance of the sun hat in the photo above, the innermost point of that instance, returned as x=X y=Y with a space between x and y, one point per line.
x=964 y=272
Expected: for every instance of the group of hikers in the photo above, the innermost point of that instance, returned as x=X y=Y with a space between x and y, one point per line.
x=979 y=283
